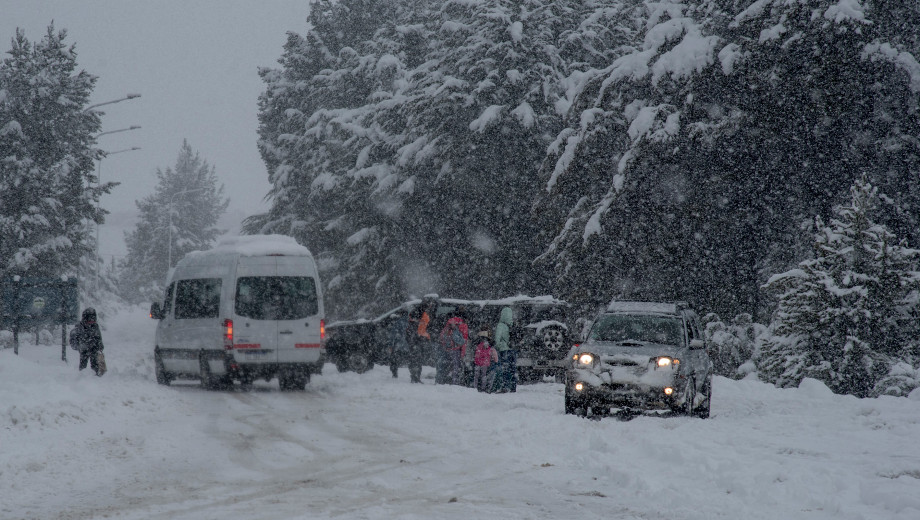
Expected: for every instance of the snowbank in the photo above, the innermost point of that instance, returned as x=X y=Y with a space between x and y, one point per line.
x=372 y=447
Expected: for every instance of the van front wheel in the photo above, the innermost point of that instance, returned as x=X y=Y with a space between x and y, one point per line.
x=162 y=377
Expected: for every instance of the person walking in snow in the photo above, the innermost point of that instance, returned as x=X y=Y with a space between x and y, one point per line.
x=483 y=360
x=86 y=338
x=506 y=375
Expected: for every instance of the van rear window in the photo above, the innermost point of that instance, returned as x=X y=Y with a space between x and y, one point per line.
x=198 y=298
x=276 y=297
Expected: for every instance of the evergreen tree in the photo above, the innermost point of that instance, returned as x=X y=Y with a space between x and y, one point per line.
x=404 y=153
x=179 y=217
x=483 y=148
x=683 y=160
x=844 y=317
x=47 y=177
x=732 y=345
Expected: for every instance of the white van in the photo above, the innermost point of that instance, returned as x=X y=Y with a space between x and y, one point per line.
x=250 y=308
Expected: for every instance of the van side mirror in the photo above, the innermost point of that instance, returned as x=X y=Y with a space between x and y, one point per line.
x=156 y=312
x=697 y=344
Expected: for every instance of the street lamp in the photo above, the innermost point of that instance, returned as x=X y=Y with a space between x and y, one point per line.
x=132 y=127
x=119 y=100
x=99 y=199
x=171 y=199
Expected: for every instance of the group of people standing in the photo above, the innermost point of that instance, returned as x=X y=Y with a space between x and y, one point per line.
x=479 y=361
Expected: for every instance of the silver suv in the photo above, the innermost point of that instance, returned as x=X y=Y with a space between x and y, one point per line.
x=641 y=356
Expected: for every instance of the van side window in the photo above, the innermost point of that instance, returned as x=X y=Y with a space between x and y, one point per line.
x=198 y=298
x=276 y=297
x=167 y=304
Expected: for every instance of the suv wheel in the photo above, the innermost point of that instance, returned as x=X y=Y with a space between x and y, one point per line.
x=360 y=362
x=690 y=397
x=553 y=339
x=686 y=406
x=702 y=411
x=574 y=406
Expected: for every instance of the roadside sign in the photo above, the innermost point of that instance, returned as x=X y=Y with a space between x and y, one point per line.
x=34 y=302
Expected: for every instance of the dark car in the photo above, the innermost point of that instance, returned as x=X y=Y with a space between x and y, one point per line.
x=358 y=345
x=641 y=356
x=540 y=333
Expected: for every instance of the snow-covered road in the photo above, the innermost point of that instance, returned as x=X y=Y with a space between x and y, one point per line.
x=373 y=447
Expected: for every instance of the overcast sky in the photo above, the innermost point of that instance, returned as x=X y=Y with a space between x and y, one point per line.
x=195 y=65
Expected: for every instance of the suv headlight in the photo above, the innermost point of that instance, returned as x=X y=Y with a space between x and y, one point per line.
x=583 y=360
x=666 y=362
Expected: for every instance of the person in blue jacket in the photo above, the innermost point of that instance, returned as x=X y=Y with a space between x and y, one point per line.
x=506 y=377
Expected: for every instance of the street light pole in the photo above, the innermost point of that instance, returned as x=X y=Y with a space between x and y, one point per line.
x=99 y=201
x=171 y=199
x=89 y=110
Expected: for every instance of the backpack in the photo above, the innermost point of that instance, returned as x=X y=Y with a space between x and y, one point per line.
x=457 y=339
x=75 y=342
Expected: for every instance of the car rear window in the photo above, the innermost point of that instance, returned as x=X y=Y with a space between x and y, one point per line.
x=644 y=329
x=197 y=298
x=276 y=297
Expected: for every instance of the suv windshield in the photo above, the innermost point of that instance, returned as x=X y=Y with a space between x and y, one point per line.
x=624 y=328
x=276 y=297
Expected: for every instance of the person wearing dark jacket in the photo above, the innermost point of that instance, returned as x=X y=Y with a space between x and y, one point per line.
x=398 y=341
x=87 y=339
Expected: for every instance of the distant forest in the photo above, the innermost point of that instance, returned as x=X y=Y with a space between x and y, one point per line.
x=590 y=150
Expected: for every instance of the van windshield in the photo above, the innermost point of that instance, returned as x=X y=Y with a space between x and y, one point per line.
x=276 y=297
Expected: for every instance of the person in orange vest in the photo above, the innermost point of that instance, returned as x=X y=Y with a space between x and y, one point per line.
x=421 y=341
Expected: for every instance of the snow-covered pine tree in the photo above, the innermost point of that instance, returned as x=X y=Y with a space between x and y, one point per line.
x=732 y=345
x=47 y=177
x=683 y=159
x=329 y=150
x=191 y=200
x=620 y=200
x=844 y=316
x=403 y=154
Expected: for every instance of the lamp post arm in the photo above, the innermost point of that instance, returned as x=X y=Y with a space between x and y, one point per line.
x=119 y=100
x=106 y=154
x=133 y=127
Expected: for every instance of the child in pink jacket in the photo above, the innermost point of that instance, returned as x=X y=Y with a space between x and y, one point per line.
x=485 y=356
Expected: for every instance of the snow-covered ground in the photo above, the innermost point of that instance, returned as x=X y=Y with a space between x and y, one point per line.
x=368 y=446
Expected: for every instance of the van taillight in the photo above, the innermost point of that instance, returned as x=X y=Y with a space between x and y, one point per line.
x=228 y=334
x=322 y=331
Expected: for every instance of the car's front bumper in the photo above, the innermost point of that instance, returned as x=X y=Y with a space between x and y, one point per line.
x=647 y=392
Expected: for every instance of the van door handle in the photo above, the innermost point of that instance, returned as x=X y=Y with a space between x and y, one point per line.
x=286 y=332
